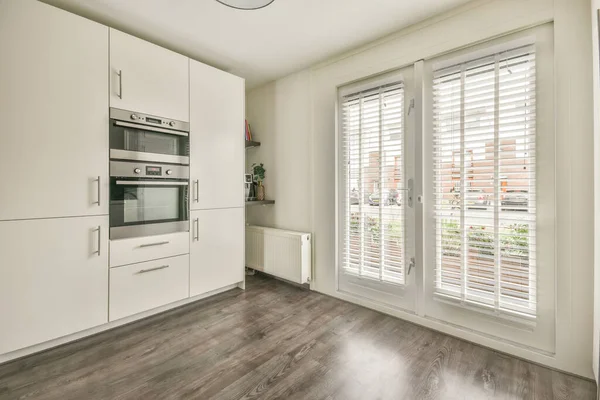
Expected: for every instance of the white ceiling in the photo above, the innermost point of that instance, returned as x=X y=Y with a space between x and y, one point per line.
x=260 y=45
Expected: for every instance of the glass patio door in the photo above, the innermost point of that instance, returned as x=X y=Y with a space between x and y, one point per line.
x=376 y=197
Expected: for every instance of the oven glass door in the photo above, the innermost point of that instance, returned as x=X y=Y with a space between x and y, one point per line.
x=135 y=142
x=147 y=207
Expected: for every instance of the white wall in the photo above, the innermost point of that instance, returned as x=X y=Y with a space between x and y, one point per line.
x=596 y=78
x=279 y=118
x=473 y=23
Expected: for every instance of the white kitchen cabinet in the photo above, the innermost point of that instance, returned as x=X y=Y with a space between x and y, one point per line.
x=146 y=248
x=216 y=138
x=216 y=249
x=147 y=78
x=53 y=279
x=54 y=113
x=143 y=286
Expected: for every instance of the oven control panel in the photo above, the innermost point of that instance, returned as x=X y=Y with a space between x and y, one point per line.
x=153 y=171
x=141 y=170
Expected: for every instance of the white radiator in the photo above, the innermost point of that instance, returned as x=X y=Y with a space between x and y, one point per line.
x=284 y=254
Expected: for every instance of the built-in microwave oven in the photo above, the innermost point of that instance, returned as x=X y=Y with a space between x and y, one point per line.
x=140 y=137
x=148 y=199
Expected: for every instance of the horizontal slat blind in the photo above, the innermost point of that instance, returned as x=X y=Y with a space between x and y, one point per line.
x=484 y=182
x=372 y=151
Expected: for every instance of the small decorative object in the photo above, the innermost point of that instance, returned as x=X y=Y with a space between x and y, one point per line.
x=260 y=191
x=249 y=185
x=259 y=177
x=246 y=4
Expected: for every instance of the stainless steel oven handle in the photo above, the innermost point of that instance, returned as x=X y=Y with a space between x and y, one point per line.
x=143 y=271
x=151 y=128
x=154 y=244
x=151 y=183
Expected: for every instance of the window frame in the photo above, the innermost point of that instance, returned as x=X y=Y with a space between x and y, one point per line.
x=538 y=333
x=452 y=135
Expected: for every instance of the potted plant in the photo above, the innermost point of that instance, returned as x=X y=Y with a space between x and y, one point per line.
x=259 y=177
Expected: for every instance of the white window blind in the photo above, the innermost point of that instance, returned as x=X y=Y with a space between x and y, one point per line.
x=484 y=182
x=373 y=229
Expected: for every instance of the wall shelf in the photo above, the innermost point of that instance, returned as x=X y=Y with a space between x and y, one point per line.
x=250 y=143
x=259 y=202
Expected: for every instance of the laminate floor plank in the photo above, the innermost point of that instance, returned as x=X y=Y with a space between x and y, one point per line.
x=278 y=341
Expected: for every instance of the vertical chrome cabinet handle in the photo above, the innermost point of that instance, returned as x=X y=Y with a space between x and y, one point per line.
x=120 y=74
x=197 y=190
x=99 y=230
x=196 y=229
x=99 y=183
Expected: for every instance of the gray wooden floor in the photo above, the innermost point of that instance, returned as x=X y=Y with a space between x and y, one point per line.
x=278 y=341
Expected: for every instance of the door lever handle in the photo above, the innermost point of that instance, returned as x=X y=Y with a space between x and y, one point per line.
x=411 y=265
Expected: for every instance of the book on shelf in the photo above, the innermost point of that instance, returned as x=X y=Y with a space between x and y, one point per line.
x=248 y=132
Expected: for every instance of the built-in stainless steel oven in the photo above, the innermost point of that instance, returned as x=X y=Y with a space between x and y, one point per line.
x=148 y=199
x=141 y=137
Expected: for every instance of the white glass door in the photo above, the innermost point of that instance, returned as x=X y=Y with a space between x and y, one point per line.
x=376 y=218
x=489 y=189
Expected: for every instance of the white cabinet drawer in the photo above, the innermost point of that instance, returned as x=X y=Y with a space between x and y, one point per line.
x=135 y=250
x=144 y=286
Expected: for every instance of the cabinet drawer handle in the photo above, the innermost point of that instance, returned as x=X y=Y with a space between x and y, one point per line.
x=143 y=271
x=197 y=191
x=197 y=230
x=154 y=244
x=120 y=74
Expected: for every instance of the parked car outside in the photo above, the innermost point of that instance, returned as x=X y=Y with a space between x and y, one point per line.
x=515 y=200
x=391 y=198
x=374 y=199
x=475 y=199
x=354 y=197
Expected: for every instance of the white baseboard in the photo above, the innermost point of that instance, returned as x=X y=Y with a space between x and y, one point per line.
x=110 y=325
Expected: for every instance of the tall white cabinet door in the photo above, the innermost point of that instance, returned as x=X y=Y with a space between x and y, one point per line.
x=54 y=113
x=147 y=78
x=217 y=249
x=216 y=138
x=53 y=279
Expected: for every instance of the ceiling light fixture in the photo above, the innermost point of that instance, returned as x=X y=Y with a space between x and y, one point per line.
x=246 y=4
